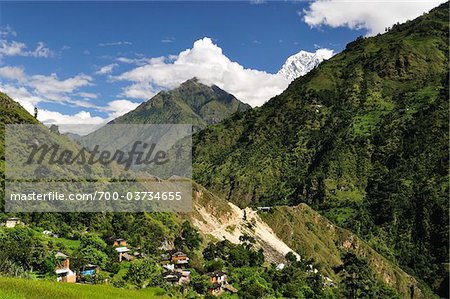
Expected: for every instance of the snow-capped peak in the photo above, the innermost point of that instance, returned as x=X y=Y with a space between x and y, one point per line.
x=301 y=63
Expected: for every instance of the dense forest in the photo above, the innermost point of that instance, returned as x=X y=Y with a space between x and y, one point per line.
x=363 y=138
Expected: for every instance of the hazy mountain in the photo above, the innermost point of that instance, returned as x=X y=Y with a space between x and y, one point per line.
x=363 y=138
x=301 y=63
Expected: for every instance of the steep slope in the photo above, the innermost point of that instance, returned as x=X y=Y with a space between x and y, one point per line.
x=303 y=62
x=190 y=103
x=312 y=235
x=10 y=113
x=220 y=219
x=363 y=138
x=215 y=218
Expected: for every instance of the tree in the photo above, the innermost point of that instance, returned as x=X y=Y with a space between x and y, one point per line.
x=21 y=246
x=291 y=257
x=92 y=240
x=359 y=280
x=251 y=282
x=143 y=273
x=147 y=233
x=189 y=236
x=91 y=255
x=200 y=283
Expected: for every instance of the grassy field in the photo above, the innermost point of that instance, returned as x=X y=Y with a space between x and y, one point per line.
x=14 y=288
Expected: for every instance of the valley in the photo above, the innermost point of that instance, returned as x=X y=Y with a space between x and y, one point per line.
x=335 y=188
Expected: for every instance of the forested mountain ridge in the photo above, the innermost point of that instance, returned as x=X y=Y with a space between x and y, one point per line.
x=10 y=113
x=363 y=138
x=191 y=103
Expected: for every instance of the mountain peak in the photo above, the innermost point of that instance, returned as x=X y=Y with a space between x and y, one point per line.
x=301 y=63
x=192 y=102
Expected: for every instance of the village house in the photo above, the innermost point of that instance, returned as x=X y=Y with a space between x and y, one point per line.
x=169 y=267
x=50 y=233
x=179 y=259
x=219 y=280
x=175 y=263
x=120 y=242
x=172 y=277
x=62 y=269
x=90 y=270
x=264 y=209
x=177 y=276
x=124 y=254
x=12 y=222
x=216 y=289
x=218 y=277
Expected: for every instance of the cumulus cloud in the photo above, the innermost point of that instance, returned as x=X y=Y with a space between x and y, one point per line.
x=205 y=61
x=79 y=118
x=107 y=69
x=118 y=108
x=30 y=90
x=12 y=48
x=52 y=88
x=82 y=122
x=12 y=73
x=372 y=15
x=21 y=95
x=48 y=88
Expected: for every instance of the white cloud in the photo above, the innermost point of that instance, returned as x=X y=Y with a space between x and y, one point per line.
x=53 y=88
x=7 y=30
x=168 y=40
x=206 y=62
x=88 y=95
x=30 y=90
x=12 y=73
x=373 y=15
x=48 y=88
x=141 y=90
x=80 y=118
x=41 y=51
x=118 y=108
x=12 y=48
x=138 y=61
x=119 y=43
x=107 y=69
x=28 y=101
x=21 y=95
x=82 y=122
x=15 y=48
x=257 y=2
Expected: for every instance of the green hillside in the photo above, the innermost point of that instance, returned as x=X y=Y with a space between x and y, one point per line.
x=363 y=138
x=190 y=103
x=10 y=113
x=13 y=288
x=317 y=238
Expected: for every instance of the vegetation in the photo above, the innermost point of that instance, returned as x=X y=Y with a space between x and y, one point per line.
x=13 y=288
x=363 y=138
x=190 y=103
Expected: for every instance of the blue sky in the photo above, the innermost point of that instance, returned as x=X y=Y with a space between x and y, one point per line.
x=52 y=53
